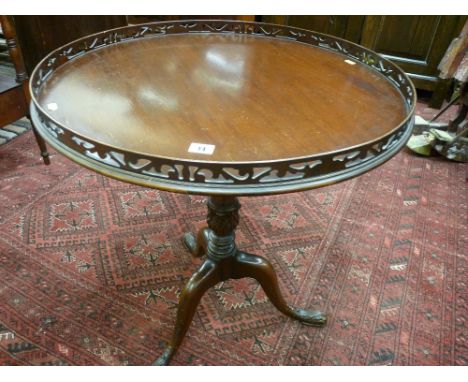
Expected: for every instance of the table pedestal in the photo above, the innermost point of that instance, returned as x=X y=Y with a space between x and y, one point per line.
x=223 y=262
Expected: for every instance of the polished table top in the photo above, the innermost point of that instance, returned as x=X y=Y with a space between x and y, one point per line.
x=253 y=98
x=245 y=98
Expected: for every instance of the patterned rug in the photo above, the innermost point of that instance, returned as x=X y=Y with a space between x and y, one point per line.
x=91 y=269
x=9 y=132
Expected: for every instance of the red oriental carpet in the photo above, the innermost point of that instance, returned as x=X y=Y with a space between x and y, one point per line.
x=91 y=269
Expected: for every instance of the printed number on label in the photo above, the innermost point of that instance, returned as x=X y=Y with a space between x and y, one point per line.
x=201 y=148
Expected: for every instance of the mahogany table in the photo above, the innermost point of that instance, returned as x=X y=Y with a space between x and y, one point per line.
x=222 y=109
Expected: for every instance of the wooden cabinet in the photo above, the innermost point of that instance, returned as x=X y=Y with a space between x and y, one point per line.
x=39 y=35
x=146 y=19
x=415 y=43
x=347 y=27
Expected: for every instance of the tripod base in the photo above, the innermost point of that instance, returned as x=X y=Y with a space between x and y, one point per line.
x=224 y=261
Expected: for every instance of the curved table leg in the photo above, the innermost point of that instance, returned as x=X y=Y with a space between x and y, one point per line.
x=199 y=246
x=247 y=265
x=224 y=261
x=204 y=278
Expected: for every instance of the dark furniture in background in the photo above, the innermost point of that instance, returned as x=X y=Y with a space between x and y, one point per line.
x=14 y=96
x=39 y=35
x=14 y=90
x=415 y=43
x=145 y=19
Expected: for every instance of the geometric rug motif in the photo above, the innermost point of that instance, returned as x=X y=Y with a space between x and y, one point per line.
x=91 y=269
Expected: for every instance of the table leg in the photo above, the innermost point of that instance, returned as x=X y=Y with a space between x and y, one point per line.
x=224 y=261
x=260 y=269
x=199 y=246
x=205 y=277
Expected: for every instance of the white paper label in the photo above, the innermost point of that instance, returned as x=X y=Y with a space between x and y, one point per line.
x=201 y=148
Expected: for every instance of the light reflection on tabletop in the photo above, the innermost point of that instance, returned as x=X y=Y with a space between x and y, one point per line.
x=144 y=95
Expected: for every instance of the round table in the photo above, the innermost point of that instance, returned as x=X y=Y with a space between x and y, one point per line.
x=223 y=109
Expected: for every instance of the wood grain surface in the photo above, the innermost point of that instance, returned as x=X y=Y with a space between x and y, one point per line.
x=253 y=98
